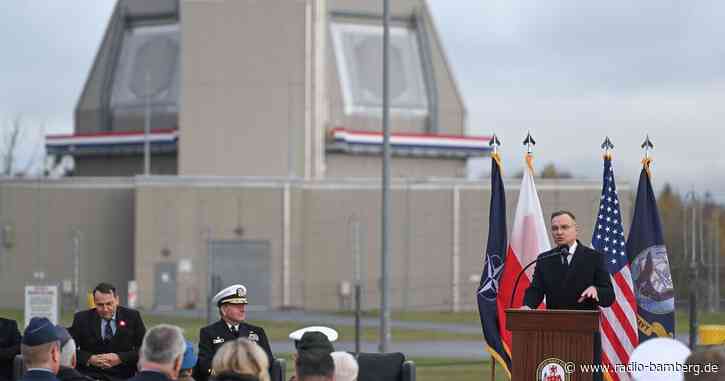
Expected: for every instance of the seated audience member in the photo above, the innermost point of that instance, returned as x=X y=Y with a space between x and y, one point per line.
x=187 y=366
x=660 y=350
x=346 y=367
x=314 y=365
x=108 y=337
x=67 y=370
x=161 y=355
x=41 y=350
x=312 y=360
x=240 y=360
x=706 y=365
x=232 y=304
x=9 y=347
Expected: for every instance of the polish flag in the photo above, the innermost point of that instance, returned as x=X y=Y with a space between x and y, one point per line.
x=529 y=238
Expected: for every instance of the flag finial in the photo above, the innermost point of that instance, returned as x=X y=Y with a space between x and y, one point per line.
x=494 y=143
x=529 y=142
x=607 y=146
x=647 y=146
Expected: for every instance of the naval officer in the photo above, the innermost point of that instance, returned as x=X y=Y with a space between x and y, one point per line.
x=232 y=302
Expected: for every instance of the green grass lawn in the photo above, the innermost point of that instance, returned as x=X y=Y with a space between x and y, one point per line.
x=682 y=320
x=277 y=330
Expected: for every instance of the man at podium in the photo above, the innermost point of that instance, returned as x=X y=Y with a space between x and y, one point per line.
x=575 y=279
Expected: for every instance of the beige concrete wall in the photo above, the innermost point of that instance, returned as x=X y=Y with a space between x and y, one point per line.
x=43 y=216
x=182 y=217
x=128 y=226
x=122 y=166
x=243 y=73
x=343 y=165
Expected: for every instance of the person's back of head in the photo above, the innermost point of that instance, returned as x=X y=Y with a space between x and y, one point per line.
x=241 y=357
x=40 y=345
x=314 y=365
x=706 y=365
x=162 y=350
x=346 y=367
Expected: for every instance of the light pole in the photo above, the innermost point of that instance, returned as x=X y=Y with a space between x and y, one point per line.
x=385 y=260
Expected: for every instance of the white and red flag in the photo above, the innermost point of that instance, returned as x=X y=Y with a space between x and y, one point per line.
x=529 y=237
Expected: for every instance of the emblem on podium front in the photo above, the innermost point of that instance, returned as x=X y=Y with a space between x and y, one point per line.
x=552 y=369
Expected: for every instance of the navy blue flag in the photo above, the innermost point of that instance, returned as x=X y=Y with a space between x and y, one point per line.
x=496 y=247
x=647 y=253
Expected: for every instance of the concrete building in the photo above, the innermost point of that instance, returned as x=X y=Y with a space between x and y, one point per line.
x=293 y=243
x=265 y=140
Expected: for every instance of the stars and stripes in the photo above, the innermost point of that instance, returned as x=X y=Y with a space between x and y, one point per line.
x=618 y=323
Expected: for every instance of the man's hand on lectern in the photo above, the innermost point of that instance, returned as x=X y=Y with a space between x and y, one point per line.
x=589 y=293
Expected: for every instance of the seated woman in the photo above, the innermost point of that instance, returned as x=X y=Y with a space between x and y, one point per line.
x=240 y=360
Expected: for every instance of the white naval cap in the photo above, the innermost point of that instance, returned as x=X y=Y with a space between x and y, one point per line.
x=662 y=352
x=234 y=294
x=327 y=331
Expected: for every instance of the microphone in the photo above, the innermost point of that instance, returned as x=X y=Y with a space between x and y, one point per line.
x=560 y=251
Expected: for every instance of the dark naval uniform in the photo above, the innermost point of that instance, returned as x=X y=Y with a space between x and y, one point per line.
x=213 y=336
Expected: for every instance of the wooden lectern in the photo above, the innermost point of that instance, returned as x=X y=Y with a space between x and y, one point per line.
x=537 y=335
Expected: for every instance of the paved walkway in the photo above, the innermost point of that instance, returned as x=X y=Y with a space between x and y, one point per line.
x=467 y=349
x=316 y=318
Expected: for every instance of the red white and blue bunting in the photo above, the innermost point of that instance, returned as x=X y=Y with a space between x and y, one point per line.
x=402 y=144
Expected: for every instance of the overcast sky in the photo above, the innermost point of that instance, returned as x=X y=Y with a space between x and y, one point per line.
x=571 y=72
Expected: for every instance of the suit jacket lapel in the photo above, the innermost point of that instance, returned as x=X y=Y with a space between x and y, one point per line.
x=95 y=322
x=119 y=317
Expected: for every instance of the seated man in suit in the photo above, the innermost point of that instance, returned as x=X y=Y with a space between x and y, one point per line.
x=162 y=354
x=108 y=337
x=232 y=302
x=41 y=350
x=9 y=347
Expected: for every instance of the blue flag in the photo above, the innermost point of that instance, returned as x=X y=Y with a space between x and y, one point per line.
x=488 y=289
x=653 y=286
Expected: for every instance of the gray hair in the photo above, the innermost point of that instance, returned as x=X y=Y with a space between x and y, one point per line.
x=67 y=353
x=346 y=368
x=163 y=344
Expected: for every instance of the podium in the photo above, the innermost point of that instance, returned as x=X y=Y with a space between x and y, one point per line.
x=547 y=343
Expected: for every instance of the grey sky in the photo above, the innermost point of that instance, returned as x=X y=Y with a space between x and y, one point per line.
x=571 y=72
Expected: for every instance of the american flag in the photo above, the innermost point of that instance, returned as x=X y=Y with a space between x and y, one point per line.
x=618 y=323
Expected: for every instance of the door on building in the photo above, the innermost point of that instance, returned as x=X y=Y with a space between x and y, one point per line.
x=246 y=262
x=165 y=286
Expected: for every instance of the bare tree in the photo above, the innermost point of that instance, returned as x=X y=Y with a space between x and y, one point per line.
x=19 y=147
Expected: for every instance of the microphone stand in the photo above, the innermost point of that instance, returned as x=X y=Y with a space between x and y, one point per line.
x=558 y=251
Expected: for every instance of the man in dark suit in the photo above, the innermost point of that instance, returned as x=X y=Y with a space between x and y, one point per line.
x=577 y=279
x=162 y=354
x=41 y=350
x=108 y=337
x=231 y=302
x=9 y=347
